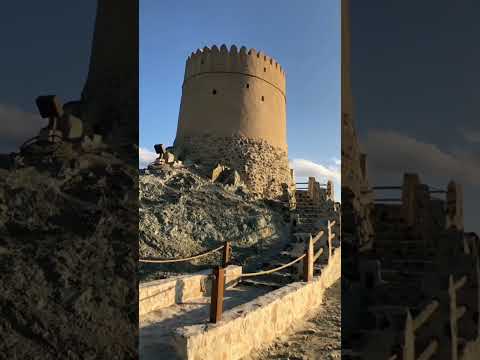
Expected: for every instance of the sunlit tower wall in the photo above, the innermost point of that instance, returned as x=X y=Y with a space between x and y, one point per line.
x=233 y=112
x=109 y=100
x=357 y=197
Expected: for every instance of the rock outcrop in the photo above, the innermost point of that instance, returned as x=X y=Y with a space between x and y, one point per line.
x=67 y=255
x=183 y=213
x=69 y=217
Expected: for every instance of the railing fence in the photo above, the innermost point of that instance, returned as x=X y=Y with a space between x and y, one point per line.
x=218 y=280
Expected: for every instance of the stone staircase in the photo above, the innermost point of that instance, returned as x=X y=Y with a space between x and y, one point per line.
x=308 y=213
x=309 y=220
x=411 y=272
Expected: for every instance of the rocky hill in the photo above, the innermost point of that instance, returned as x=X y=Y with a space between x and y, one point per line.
x=183 y=213
x=68 y=244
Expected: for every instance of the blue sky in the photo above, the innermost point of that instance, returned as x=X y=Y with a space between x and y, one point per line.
x=304 y=39
x=39 y=59
x=415 y=91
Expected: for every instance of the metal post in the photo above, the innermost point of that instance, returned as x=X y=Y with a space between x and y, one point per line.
x=227 y=254
x=308 y=261
x=218 y=287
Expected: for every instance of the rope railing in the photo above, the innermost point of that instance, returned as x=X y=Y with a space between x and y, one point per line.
x=217 y=296
x=193 y=257
x=429 y=351
x=306 y=183
x=411 y=326
x=386 y=188
x=265 y=272
x=318 y=254
x=309 y=256
x=318 y=236
x=38 y=139
x=218 y=286
x=425 y=315
x=455 y=312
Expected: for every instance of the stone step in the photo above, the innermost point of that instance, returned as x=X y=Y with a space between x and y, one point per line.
x=311 y=217
x=309 y=220
x=316 y=212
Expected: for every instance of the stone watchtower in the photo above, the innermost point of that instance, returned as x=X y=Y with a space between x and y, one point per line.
x=233 y=112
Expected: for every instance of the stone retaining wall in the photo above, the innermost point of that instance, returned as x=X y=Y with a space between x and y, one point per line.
x=159 y=294
x=257 y=323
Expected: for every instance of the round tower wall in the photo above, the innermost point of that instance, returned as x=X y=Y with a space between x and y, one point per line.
x=233 y=111
x=232 y=104
x=228 y=93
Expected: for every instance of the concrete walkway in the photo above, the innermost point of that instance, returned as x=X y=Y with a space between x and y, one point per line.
x=157 y=327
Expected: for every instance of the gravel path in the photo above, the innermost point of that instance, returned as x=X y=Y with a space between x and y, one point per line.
x=317 y=339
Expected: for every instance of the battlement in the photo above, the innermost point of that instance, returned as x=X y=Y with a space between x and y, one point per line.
x=251 y=63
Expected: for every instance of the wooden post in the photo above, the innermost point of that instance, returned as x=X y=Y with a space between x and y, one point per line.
x=409 y=345
x=330 y=238
x=227 y=253
x=425 y=314
x=453 y=318
x=477 y=265
x=429 y=351
x=218 y=287
x=308 y=261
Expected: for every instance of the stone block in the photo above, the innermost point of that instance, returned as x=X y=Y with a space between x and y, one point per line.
x=156 y=295
x=159 y=148
x=229 y=177
x=71 y=127
x=169 y=157
x=159 y=294
x=216 y=172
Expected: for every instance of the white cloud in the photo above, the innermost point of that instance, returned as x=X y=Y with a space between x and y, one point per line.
x=145 y=157
x=307 y=168
x=390 y=152
x=471 y=136
x=17 y=126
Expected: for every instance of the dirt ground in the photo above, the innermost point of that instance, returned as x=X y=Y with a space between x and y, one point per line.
x=317 y=339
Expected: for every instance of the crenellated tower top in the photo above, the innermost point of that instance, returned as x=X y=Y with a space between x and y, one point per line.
x=247 y=62
x=233 y=112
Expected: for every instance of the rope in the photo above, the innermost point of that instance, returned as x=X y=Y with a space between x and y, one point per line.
x=317 y=255
x=274 y=270
x=164 y=261
x=36 y=139
x=29 y=142
x=317 y=237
